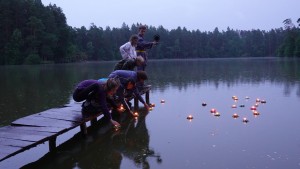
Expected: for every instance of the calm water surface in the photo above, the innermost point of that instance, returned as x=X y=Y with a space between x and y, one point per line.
x=164 y=138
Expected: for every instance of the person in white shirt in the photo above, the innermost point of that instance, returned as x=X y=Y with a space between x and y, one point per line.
x=128 y=49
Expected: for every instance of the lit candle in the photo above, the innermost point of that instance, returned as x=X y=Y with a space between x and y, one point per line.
x=256 y=104
x=256 y=113
x=162 y=101
x=247 y=97
x=217 y=114
x=136 y=114
x=233 y=106
x=257 y=100
x=117 y=127
x=245 y=120
x=253 y=108
x=263 y=101
x=204 y=104
x=190 y=117
x=234 y=98
x=213 y=110
x=235 y=115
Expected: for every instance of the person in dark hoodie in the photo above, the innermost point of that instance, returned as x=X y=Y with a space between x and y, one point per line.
x=97 y=91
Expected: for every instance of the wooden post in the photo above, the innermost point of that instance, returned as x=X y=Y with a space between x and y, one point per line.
x=52 y=144
x=93 y=121
x=147 y=96
x=136 y=103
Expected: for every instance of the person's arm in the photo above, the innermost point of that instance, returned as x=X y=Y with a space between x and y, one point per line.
x=140 y=98
x=120 y=94
x=104 y=108
x=142 y=44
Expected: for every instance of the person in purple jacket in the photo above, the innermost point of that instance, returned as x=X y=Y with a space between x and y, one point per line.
x=97 y=91
x=142 y=46
x=128 y=80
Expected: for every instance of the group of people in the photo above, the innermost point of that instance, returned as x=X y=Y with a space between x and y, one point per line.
x=126 y=79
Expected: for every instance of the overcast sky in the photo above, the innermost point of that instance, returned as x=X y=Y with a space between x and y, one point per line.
x=204 y=15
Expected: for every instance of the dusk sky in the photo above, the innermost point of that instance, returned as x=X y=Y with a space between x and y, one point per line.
x=204 y=15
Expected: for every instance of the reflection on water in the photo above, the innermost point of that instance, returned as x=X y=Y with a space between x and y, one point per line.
x=169 y=140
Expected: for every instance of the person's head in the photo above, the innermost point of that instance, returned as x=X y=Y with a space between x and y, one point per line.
x=139 y=60
x=142 y=76
x=142 y=29
x=112 y=85
x=134 y=40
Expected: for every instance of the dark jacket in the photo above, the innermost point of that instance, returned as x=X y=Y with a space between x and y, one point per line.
x=126 y=64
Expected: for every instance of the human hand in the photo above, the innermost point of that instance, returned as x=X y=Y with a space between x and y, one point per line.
x=115 y=123
x=147 y=106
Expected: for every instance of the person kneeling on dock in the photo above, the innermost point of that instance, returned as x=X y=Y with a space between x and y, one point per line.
x=95 y=94
x=129 y=64
x=129 y=81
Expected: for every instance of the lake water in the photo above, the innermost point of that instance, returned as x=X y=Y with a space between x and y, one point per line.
x=164 y=137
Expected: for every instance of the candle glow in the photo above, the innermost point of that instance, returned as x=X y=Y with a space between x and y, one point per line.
x=213 y=110
x=235 y=115
x=190 y=117
x=217 y=114
x=245 y=120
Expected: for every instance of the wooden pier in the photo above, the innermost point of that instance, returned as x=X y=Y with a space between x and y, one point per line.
x=32 y=130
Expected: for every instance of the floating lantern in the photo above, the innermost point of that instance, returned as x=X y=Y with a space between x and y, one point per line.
x=256 y=113
x=257 y=100
x=263 y=101
x=217 y=114
x=136 y=114
x=242 y=105
x=121 y=108
x=245 y=120
x=117 y=127
x=190 y=117
x=235 y=115
x=247 y=97
x=233 y=106
x=204 y=104
x=235 y=98
x=162 y=101
x=253 y=108
x=213 y=110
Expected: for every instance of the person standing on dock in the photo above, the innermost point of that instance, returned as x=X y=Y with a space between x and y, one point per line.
x=142 y=46
x=97 y=91
x=129 y=81
x=127 y=50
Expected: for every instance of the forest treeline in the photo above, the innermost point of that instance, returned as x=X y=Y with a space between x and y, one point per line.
x=32 y=33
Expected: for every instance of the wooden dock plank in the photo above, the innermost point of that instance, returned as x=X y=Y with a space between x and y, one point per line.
x=13 y=129
x=45 y=129
x=20 y=136
x=55 y=115
x=34 y=120
x=14 y=143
